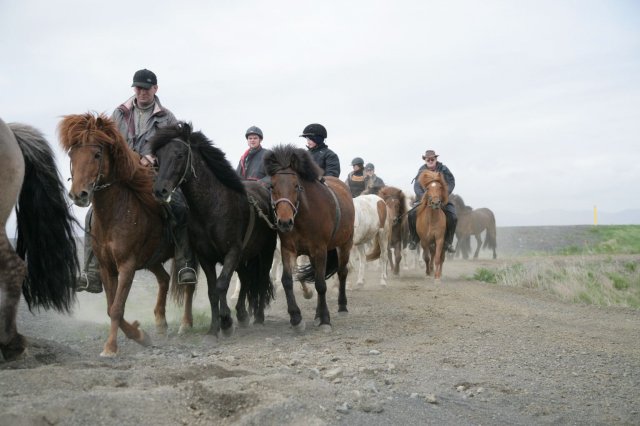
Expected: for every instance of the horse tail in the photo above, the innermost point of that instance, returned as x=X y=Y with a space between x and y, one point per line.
x=491 y=238
x=260 y=285
x=375 y=251
x=176 y=291
x=307 y=273
x=45 y=237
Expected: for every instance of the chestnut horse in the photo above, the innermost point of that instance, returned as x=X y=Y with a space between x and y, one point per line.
x=315 y=217
x=431 y=222
x=228 y=223
x=396 y=215
x=474 y=222
x=128 y=227
x=44 y=264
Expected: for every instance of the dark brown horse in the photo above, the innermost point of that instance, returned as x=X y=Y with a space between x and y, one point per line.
x=396 y=213
x=128 y=228
x=474 y=222
x=228 y=223
x=431 y=222
x=44 y=264
x=315 y=217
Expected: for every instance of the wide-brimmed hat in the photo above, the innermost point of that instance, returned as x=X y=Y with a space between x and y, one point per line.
x=429 y=153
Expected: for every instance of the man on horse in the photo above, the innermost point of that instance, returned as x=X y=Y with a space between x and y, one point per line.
x=371 y=180
x=138 y=118
x=328 y=161
x=251 y=164
x=356 y=180
x=432 y=164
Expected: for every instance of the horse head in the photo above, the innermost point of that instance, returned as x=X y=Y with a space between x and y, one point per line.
x=436 y=194
x=172 y=149
x=98 y=152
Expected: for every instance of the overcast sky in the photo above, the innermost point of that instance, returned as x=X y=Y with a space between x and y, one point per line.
x=533 y=105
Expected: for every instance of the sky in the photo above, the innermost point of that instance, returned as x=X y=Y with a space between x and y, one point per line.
x=534 y=106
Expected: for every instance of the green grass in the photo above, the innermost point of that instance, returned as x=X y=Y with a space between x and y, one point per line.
x=582 y=277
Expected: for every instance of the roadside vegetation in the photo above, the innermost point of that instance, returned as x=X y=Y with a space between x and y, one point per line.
x=604 y=272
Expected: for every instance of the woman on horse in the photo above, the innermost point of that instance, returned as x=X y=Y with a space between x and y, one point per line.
x=328 y=161
x=355 y=179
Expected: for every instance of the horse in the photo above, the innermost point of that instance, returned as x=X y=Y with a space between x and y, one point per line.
x=431 y=222
x=129 y=230
x=394 y=198
x=474 y=222
x=44 y=264
x=228 y=223
x=315 y=216
x=370 y=223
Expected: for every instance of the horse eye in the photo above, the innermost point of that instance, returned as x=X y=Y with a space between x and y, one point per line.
x=98 y=155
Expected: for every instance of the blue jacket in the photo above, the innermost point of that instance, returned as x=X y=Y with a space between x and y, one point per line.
x=440 y=168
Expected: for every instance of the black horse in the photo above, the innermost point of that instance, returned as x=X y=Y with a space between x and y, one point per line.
x=225 y=222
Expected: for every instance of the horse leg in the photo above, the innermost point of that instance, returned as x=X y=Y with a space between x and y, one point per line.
x=159 y=311
x=12 y=344
x=425 y=256
x=222 y=286
x=295 y=316
x=343 y=271
x=361 y=260
x=322 y=318
x=438 y=258
x=242 y=314
x=397 y=252
x=212 y=294
x=479 y=245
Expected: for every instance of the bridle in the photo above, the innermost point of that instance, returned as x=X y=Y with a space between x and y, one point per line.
x=274 y=203
x=430 y=203
x=94 y=186
x=188 y=165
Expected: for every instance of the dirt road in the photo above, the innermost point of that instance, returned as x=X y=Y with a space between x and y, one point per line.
x=462 y=352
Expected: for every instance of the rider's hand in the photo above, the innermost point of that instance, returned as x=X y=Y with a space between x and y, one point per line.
x=148 y=160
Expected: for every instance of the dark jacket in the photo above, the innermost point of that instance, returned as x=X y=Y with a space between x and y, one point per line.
x=373 y=181
x=356 y=183
x=251 y=164
x=123 y=116
x=440 y=168
x=326 y=159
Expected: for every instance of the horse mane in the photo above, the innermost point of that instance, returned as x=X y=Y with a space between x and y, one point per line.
x=393 y=192
x=458 y=202
x=427 y=177
x=288 y=156
x=89 y=128
x=214 y=157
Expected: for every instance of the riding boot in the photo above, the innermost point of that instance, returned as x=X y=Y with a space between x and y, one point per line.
x=89 y=279
x=184 y=258
x=413 y=234
x=452 y=221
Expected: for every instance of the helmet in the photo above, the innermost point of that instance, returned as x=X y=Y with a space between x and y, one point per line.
x=357 y=160
x=314 y=130
x=369 y=166
x=253 y=130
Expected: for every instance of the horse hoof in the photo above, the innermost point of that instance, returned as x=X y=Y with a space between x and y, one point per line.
x=16 y=349
x=228 y=332
x=210 y=340
x=438 y=281
x=108 y=354
x=184 y=329
x=307 y=294
x=326 y=328
x=144 y=339
x=316 y=322
x=244 y=323
x=300 y=327
x=343 y=313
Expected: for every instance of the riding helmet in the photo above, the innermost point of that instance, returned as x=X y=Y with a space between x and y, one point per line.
x=314 y=130
x=369 y=166
x=254 y=130
x=357 y=160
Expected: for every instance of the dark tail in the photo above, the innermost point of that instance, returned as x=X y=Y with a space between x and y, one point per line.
x=490 y=239
x=260 y=286
x=176 y=291
x=307 y=273
x=45 y=227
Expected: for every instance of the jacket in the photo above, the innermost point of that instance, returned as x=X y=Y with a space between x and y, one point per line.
x=251 y=164
x=326 y=159
x=440 y=168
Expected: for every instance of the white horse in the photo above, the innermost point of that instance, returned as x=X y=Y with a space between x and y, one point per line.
x=370 y=222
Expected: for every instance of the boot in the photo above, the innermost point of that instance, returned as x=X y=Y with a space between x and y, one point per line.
x=184 y=258
x=450 y=232
x=89 y=280
x=413 y=234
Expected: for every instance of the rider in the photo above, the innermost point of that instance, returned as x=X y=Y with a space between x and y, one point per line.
x=371 y=180
x=138 y=119
x=320 y=152
x=356 y=180
x=251 y=164
x=432 y=164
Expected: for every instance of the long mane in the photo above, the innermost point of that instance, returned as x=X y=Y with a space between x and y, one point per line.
x=85 y=129
x=214 y=157
x=288 y=156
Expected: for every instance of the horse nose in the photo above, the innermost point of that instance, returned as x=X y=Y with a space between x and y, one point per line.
x=162 y=194
x=285 y=225
x=81 y=199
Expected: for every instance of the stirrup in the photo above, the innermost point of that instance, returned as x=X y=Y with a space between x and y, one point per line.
x=190 y=277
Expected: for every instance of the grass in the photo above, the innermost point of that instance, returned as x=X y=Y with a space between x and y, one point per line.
x=582 y=274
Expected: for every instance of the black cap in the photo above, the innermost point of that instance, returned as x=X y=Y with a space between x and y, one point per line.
x=144 y=78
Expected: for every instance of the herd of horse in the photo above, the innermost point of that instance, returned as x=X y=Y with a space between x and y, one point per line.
x=233 y=224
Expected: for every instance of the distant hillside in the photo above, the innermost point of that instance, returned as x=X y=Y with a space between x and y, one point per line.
x=567 y=217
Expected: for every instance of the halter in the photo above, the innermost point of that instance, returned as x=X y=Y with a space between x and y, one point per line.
x=188 y=165
x=94 y=186
x=275 y=203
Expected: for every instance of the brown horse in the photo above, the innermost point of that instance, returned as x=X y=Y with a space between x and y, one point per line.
x=396 y=213
x=129 y=231
x=474 y=222
x=431 y=222
x=315 y=217
x=44 y=264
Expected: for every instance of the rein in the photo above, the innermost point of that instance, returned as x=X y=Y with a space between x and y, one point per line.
x=275 y=203
x=188 y=165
